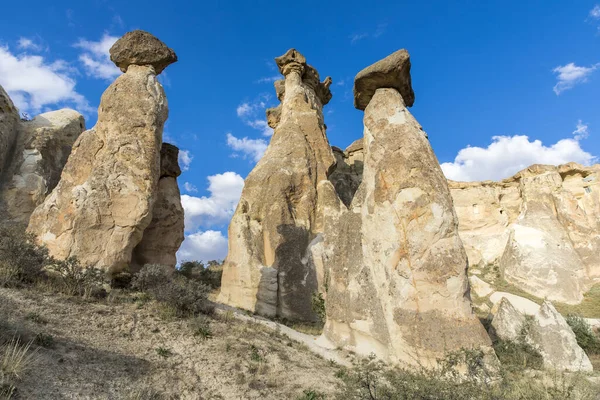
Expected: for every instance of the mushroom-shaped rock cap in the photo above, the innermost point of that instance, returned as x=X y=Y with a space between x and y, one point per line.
x=169 y=163
x=290 y=56
x=141 y=48
x=391 y=72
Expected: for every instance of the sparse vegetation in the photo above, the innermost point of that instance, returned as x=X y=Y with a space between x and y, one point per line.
x=310 y=394
x=318 y=305
x=586 y=337
x=21 y=260
x=200 y=327
x=163 y=352
x=17 y=359
x=209 y=274
x=183 y=296
x=373 y=380
x=76 y=280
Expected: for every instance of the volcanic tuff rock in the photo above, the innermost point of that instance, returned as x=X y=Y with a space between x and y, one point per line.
x=397 y=268
x=507 y=323
x=164 y=235
x=104 y=200
x=269 y=268
x=540 y=228
x=141 y=48
x=347 y=175
x=9 y=124
x=41 y=150
x=391 y=72
x=547 y=332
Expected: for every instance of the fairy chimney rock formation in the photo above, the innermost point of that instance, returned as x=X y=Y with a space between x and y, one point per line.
x=268 y=269
x=397 y=268
x=104 y=200
x=165 y=233
x=141 y=48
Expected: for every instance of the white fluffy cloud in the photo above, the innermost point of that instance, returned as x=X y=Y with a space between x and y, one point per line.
x=185 y=159
x=507 y=155
x=203 y=246
x=252 y=113
x=254 y=148
x=189 y=187
x=96 y=58
x=32 y=82
x=225 y=190
x=581 y=131
x=570 y=75
x=28 y=44
x=595 y=12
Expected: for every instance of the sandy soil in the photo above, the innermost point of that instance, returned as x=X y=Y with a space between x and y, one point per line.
x=110 y=349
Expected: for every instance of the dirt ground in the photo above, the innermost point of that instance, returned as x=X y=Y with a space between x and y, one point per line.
x=122 y=348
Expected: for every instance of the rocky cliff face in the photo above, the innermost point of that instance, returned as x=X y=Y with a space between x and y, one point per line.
x=397 y=268
x=9 y=125
x=104 y=200
x=41 y=150
x=538 y=230
x=269 y=269
x=35 y=153
x=165 y=233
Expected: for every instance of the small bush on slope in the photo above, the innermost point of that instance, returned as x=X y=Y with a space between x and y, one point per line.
x=21 y=260
x=586 y=338
x=209 y=275
x=75 y=280
x=373 y=380
x=184 y=296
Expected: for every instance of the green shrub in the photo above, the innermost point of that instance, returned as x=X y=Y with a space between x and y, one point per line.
x=76 y=280
x=209 y=274
x=163 y=352
x=371 y=379
x=21 y=260
x=517 y=355
x=184 y=296
x=318 y=305
x=586 y=338
x=200 y=327
x=310 y=394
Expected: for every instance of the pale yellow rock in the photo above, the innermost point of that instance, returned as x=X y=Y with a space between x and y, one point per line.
x=104 y=200
x=398 y=285
x=523 y=305
x=40 y=153
x=554 y=339
x=9 y=124
x=269 y=268
x=163 y=237
x=480 y=287
x=539 y=228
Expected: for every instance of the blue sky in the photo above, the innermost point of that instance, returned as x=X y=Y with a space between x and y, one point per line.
x=499 y=85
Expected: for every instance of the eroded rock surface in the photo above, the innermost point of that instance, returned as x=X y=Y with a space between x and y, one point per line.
x=540 y=229
x=269 y=268
x=546 y=331
x=141 y=48
x=104 y=200
x=41 y=150
x=397 y=268
x=348 y=171
x=9 y=124
x=163 y=237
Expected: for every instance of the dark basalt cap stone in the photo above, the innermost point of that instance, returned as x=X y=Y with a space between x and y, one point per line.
x=391 y=72
x=141 y=48
x=169 y=161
